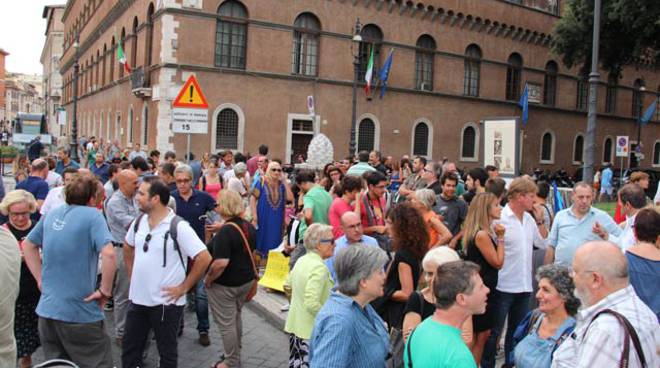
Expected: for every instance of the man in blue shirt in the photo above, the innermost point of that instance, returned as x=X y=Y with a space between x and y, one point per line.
x=64 y=161
x=34 y=148
x=576 y=226
x=606 y=187
x=71 y=237
x=193 y=205
x=36 y=184
x=353 y=235
x=100 y=167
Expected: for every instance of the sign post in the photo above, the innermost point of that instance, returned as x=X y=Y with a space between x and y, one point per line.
x=190 y=113
x=622 y=149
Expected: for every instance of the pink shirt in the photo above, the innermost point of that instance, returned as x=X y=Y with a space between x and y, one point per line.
x=337 y=209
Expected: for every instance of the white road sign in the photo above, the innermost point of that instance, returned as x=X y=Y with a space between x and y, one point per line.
x=190 y=121
x=622 y=146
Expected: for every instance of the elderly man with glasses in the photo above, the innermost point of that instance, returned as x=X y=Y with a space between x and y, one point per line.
x=353 y=235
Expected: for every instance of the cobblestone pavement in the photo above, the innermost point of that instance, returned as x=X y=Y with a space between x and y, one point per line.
x=263 y=345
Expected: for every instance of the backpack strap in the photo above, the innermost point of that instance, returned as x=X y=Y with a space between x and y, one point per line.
x=629 y=333
x=173 y=233
x=136 y=224
x=408 y=353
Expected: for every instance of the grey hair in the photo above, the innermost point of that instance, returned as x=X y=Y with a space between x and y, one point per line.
x=426 y=197
x=559 y=277
x=356 y=263
x=313 y=235
x=183 y=168
x=440 y=255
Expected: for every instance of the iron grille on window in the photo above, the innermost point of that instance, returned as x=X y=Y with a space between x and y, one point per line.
x=305 y=45
x=424 y=57
x=607 y=150
x=372 y=37
x=610 y=95
x=421 y=143
x=582 y=93
x=513 y=72
x=366 y=135
x=656 y=153
x=130 y=126
x=230 y=36
x=550 y=84
x=472 y=71
x=226 y=131
x=302 y=126
x=546 y=147
x=579 y=147
x=145 y=135
x=469 y=140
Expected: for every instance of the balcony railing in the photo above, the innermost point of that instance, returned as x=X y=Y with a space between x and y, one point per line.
x=139 y=84
x=550 y=6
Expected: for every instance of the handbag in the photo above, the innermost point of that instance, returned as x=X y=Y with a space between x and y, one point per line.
x=397 y=345
x=255 y=282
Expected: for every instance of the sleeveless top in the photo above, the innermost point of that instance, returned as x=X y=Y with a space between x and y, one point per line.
x=488 y=273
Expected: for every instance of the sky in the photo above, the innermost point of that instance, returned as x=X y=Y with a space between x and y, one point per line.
x=22 y=33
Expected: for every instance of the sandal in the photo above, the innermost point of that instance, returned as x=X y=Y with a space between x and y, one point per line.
x=222 y=360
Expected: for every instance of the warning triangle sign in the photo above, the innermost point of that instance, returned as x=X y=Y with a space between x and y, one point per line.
x=191 y=95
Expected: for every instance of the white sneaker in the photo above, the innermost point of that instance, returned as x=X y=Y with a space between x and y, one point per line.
x=285 y=308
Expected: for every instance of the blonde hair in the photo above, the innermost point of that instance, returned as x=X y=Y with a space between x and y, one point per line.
x=313 y=235
x=521 y=186
x=18 y=196
x=478 y=216
x=638 y=176
x=439 y=256
x=270 y=165
x=230 y=203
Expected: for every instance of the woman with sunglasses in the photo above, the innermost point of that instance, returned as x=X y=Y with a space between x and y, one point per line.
x=18 y=205
x=309 y=284
x=267 y=204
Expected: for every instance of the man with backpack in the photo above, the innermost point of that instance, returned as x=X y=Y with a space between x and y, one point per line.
x=156 y=248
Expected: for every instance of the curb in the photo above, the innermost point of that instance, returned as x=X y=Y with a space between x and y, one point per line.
x=266 y=307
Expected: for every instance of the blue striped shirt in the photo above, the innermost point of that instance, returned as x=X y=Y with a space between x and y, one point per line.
x=346 y=335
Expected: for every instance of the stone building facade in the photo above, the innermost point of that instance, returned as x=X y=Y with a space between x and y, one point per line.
x=454 y=65
x=50 y=59
x=3 y=110
x=23 y=93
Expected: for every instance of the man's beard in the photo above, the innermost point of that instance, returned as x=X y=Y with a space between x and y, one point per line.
x=583 y=298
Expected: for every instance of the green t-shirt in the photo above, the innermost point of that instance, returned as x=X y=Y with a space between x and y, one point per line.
x=435 y=345
x=319 y=201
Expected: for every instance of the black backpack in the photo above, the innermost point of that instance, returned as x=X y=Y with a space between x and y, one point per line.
x=172 y=232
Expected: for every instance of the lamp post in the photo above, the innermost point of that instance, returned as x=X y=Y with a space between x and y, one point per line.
x=594 y=77
x=355 y=45
x=74 y=122
x=640 y=108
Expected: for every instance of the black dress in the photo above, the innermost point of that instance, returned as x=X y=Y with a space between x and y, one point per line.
x=394 y=311
x=26 y=321
x=417 y=303
x=488 y=273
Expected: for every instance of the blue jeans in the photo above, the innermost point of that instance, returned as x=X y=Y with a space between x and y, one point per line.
x=201 y=307
x=516 y=306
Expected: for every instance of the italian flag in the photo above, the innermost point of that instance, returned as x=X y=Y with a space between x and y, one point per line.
x=122 y=58
x=370 y=72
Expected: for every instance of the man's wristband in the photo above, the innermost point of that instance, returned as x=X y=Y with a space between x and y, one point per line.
x=103 y=294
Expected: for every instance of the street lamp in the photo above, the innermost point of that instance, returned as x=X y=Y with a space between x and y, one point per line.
x=594 y=77
x=355 y=51
x=74 y=122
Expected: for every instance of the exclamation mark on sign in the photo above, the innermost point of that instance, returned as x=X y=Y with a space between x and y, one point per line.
x=191 y=94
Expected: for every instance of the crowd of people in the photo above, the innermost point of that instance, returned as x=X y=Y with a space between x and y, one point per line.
x=391 y=263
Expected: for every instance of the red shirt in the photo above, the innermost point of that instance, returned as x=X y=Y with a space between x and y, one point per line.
x=376 y=207
x=338 y=208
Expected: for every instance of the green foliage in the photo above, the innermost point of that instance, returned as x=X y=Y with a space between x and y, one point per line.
x=8 y=151
x=629 y=30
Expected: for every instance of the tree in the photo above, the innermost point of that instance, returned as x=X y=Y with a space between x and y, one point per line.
x=629 y=32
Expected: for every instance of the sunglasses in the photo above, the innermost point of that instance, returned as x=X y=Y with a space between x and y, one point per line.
x=276 y=170
x=145 y=247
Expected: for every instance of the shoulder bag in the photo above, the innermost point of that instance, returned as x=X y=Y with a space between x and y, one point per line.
x=255 y=282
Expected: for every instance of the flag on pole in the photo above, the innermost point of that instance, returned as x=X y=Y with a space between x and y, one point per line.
x=369 y=74
x=524 y=104
x=385 y=73
x=121 y=57
x=558 y=204
x=648 y=115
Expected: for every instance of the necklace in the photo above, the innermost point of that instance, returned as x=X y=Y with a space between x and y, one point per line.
x=273 y=196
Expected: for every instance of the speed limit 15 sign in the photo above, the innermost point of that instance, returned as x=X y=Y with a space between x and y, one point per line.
x=190 y=121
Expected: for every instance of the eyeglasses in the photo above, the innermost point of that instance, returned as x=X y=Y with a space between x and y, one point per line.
x=183 y=181
x=572 y=272
x=354 y=226
x=330 y=241
x=19 y=214
x=145 y=247
x=383 y=186
x=276 y=170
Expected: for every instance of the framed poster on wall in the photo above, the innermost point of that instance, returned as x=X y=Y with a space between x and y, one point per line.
x=501 y=145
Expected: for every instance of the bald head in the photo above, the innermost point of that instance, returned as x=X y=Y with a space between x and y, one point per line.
x=128 y=182
x=349 y=217
x=599 y=269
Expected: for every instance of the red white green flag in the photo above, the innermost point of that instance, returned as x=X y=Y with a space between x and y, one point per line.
x=122 y=58
x=370 y=71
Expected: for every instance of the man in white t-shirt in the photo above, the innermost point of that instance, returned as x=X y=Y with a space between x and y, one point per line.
x=55 y=197
x=157 y=271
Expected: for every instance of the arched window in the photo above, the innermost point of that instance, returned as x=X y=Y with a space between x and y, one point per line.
x=112 y=60
x=98 y=69
x=550 y=83
x=129 y=134
x=366 y=135
x=105 y=51
x=231 y=35
x=226 y=130
x=149 y=39
x=145 y=126
x=637 y=96
x=513 y=75
x=122 y=43
x=607 y=150
x=421 y=140
x=472 y=70
x=306 y=44
x=582 y=95
x=424 y=61
x=134 y=34
x=578 y=148
x=548 y=148
x=469 y=143
x=610 y=95
x=656 y=154
x=372 y=39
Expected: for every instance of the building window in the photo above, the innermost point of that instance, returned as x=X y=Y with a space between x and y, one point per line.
x=372 y=38
x=105 y=51
x=130 y=126
x=472 y=70
x=607 y=150
x=610 y=95
x=582 y=95
x=226 y=130
x=469 y=143
x=637 y=96
x=548 y=148
x=513 y=75
x=366 y=135
x=656 y=154
x=421 y=140
x=306 y=45
x=112 y=60
x=122 y=43
x=550 y=83
x=231 y=35
x=578 y=148
x=145 y=126
x=134 y=31
x=424 y=58
x=148 y=57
